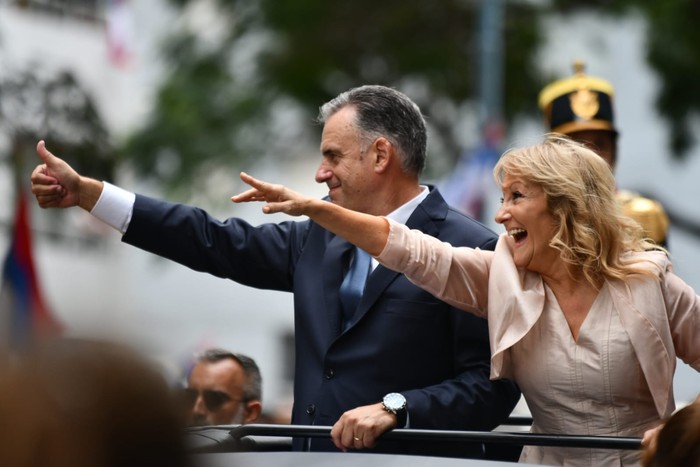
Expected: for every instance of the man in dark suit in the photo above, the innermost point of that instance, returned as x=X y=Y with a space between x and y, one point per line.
x=434 y=364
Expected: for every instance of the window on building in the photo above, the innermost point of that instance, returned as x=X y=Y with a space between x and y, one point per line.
x=89 y=10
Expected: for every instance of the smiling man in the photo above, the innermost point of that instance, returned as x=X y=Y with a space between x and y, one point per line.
x=372 y=351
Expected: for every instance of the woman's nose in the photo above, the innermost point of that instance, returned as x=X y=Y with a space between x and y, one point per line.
x=502 y=214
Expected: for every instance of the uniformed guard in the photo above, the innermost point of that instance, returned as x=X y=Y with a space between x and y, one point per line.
x=581 y=107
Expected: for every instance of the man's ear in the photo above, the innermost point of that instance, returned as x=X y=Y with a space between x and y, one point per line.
x=384 y=151
x=252 y=411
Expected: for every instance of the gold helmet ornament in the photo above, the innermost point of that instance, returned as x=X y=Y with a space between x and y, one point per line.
x=578 y=103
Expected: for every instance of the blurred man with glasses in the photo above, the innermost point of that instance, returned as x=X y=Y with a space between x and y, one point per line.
x=223 y=388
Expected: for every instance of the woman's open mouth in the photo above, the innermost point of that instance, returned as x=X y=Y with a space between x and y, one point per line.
x=518 y=234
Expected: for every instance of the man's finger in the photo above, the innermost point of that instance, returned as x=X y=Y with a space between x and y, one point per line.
x=41 y=178
x=44 y=154
x=337 y=436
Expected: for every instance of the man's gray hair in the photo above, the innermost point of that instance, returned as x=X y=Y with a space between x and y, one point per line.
x=385 y=112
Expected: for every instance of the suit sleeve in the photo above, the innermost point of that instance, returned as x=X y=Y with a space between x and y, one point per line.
x=262 y=256
x=470 y=400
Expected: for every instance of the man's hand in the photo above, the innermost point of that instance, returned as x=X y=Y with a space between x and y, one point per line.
x=359 y=428
x=278 y=198
x=56 y=185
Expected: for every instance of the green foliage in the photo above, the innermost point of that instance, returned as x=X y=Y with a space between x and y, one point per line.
x=673 y=53
x=58 y=110
x=328 y=47
x=313 y=50
x=200 y=112
x=304 y=52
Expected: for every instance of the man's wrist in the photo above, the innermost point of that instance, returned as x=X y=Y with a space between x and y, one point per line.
x=395 y=404
x=90 y=191
x=114 y=207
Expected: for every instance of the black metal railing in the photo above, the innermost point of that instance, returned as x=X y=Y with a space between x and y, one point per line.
x=231 y=438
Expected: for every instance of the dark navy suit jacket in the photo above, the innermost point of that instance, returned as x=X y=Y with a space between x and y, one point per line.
x=402 y=340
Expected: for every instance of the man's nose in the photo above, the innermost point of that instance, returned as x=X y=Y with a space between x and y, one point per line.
x=199 y=408
x=323 y=173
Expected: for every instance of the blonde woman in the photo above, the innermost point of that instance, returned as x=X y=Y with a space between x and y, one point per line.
x=584 y=313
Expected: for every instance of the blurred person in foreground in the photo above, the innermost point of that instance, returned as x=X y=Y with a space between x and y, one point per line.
x=584 y=312
x=83 y=403
x=650 y=436
x=223 y=388
x=360 y=365
x=581 y=107
x=677 y=444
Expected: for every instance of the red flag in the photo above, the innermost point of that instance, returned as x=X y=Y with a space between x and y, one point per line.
x=24 y=311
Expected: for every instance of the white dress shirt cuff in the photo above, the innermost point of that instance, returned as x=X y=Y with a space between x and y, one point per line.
x=114 y=207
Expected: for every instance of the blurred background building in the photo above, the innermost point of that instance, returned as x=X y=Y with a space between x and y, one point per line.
x=120 y=65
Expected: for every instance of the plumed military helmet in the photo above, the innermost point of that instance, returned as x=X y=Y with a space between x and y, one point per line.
x=578 y=103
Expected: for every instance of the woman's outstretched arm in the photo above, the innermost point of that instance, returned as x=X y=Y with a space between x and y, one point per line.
x=368 y=232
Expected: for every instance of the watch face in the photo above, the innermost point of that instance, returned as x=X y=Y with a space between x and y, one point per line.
x=394 y=401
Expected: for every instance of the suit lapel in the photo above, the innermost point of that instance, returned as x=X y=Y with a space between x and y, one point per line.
x=422 y=219
x=377 y=282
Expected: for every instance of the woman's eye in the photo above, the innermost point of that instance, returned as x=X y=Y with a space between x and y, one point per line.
x=511 y=197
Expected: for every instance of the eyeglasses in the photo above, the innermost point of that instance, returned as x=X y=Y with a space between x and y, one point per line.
x=212 y=399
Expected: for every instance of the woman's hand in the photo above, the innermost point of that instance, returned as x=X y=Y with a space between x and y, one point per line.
x=278 y=198
x=649 y=438
x=364 y=230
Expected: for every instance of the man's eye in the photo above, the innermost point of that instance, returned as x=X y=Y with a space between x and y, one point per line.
x=517 y=194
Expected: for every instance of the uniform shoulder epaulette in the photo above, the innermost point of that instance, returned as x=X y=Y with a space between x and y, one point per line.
x=649 y=213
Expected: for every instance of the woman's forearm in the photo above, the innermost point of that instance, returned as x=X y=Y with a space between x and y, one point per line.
x=368 y=232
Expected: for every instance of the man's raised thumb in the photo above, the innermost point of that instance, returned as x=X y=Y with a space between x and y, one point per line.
x=44 y=154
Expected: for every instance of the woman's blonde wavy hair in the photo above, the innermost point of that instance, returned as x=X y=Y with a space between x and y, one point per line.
x=579 y=185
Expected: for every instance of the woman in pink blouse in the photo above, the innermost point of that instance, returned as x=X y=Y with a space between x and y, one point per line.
x=584 y=313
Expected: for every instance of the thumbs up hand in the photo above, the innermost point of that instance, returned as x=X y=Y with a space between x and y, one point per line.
x=56 y=185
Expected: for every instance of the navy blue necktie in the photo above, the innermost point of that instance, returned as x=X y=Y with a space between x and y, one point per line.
x=354 y=284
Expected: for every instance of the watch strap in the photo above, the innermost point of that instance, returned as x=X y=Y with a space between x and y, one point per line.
x=401 y=417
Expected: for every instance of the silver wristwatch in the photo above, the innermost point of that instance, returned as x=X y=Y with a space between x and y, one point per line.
x=395 y=403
